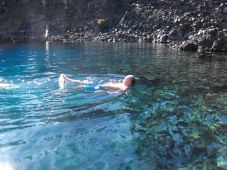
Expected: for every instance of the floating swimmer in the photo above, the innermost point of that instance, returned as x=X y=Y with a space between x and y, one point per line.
x=127 y=82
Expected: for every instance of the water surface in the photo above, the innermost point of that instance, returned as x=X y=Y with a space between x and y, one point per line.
x=174 y=117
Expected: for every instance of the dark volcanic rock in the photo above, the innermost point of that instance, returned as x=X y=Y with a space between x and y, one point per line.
x=176 y=34
x=203 y=53
x=188 y=23
x=102 y=24
x=216 y=46
x=4 y=36
x=188 y=46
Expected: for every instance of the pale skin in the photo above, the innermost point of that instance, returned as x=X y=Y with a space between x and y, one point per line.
x=123 y=86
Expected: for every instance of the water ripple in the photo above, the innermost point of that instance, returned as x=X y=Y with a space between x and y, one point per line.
x=174 y=118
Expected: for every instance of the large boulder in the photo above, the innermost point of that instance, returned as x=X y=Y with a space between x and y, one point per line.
x=162 y=38
x=203 y=53
x=220 y=43
x=188 y=46
x=208 y=37
x=102 y=24
x=176 y=34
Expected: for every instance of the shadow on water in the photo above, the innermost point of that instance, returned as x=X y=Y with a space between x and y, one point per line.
x=174 y=118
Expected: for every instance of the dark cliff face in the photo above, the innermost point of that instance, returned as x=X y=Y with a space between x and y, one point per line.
x=24 y=20
x=181 y=23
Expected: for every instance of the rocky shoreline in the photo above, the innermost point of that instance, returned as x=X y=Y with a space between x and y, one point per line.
x=190 y=31
x=191 y=26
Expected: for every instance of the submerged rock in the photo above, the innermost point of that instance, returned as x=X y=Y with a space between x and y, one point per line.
x=150 y=79
x=203 y=53
x=221 y=161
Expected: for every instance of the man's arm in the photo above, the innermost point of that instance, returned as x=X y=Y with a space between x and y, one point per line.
x=116 y=86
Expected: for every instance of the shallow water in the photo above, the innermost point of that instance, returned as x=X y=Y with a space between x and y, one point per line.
x=173 y=118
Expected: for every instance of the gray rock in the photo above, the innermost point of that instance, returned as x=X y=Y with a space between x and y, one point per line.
x=163 y=39
x=176 y=34
x=216 y=46
x=102 y=24
x=203 y=53
x=188 y=46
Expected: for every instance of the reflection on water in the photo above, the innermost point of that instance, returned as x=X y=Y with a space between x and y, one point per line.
x=174 y=118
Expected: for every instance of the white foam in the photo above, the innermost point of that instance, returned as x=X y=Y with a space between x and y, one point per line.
x=61 y=81
x=8 y=86
x=5 y=166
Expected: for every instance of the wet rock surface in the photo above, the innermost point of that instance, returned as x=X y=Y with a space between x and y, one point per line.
x=184 y=25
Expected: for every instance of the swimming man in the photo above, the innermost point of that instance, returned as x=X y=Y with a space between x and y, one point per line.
x=127 y=82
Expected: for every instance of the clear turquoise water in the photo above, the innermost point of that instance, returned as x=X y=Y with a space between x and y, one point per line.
x=177 y=120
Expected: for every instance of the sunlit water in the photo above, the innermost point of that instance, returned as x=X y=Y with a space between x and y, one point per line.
x=174 y=120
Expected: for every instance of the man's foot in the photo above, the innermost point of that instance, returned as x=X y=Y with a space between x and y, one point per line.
x=61 y=81
x=64 y=76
